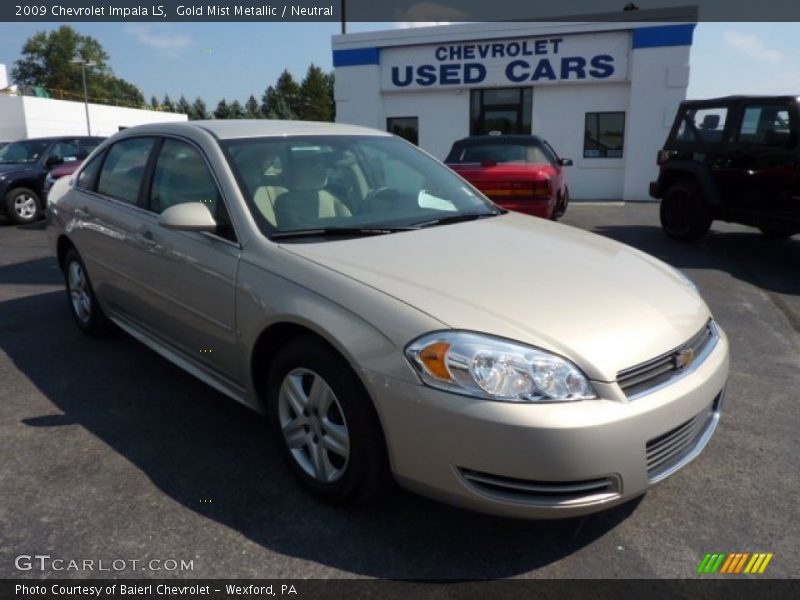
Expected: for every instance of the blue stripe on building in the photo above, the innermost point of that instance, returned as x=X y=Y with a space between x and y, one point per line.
x=663 y=36
x=355 y=57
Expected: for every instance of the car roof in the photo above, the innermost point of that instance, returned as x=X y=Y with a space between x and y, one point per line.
x=741 y=98
x=226 y=129
x=497 y=139
x=56 y=138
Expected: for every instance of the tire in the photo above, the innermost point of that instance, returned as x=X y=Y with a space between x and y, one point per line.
x=776 y=233
x=561 y=209
x=684 y=213
x=326 y=425
x=82 y=302
x=23 y=206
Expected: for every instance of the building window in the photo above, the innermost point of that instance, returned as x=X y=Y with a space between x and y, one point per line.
x=604 y=135
x=501 y=110
x=404 y=127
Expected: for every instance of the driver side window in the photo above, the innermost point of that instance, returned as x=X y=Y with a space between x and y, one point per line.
x=181 y=175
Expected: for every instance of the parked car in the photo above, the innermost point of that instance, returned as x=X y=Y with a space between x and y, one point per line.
x=24 y=165
x=519 y=172
x=57 y=172
x=733 y=159
x=389 y=319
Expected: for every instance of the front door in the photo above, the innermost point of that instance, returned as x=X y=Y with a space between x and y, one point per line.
x=191 y=276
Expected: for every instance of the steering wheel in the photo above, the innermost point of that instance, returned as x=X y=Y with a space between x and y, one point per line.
x=374 y=198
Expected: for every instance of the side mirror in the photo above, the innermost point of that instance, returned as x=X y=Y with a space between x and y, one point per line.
x=52 y=161
x=190 y=216
x=565 y=162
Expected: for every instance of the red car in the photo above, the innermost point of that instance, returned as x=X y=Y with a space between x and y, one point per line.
x=518 y=172
x=62 y=170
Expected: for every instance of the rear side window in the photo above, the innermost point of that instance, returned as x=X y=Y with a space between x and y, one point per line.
x=123 y=169
x=766 y=125
x=705 y=125
x=86 y=146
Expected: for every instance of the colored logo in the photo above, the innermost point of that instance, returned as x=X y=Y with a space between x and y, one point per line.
x=739 y=562
x=683 y=358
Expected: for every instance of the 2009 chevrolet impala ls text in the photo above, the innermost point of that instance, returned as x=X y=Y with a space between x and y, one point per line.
x=390 y=320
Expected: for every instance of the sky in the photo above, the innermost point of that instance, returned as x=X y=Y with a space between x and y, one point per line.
x=234 y=60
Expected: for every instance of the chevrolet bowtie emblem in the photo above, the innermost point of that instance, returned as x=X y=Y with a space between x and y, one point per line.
x=683 y=358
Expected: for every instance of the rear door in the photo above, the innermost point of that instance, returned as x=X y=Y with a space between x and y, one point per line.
x=108 y=211
x=767 y=161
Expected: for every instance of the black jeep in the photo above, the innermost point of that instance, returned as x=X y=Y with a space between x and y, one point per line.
x=734 y=159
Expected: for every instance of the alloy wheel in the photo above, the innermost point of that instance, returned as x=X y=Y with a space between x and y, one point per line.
x=79 y=292
x=25 y=206
x=313 y=425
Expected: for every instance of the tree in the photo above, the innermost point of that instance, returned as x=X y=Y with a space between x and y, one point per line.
x=252 y=109
x=183 y=106
x=283 y=101
x=315 y=104
x=167 y=105
x=154 y=104
x=331 y=80
x=199 y=110
x=222 y=111
x=45 y=62
x=274 y=105
x=236 y=110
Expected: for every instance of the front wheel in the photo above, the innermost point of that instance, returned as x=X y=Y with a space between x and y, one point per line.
x=23 y=206
x=561 y=209
x=326 y=425
x=684 y=213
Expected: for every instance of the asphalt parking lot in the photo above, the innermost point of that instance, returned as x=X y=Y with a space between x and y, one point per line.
x=110 y=452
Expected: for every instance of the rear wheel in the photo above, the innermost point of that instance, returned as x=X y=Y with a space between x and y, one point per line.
x=23 y=205
x=684 y=212
x=82 y=301
x=326 y=425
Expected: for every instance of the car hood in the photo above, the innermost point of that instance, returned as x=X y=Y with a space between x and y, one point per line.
x=603 y=304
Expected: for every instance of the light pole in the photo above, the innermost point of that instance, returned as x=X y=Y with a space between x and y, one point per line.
x=84 y=64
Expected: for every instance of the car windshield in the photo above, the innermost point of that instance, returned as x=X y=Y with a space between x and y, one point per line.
x=376 y=183
x=522 y=153
x=22 y=152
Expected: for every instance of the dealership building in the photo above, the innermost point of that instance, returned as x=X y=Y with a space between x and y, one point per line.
x=602 y=93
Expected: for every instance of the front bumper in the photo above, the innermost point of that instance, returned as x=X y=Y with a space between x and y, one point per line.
x=546 y=460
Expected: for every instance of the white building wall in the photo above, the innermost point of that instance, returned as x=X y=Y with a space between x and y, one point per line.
x=659 y=78
x=559 y=114
x=443 y=116
x=47 y=116
x=357 y=93
x=26 y=117
x=12 y=119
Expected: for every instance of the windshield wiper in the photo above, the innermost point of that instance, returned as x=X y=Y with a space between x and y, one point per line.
x=339 y=232
x=457 y=219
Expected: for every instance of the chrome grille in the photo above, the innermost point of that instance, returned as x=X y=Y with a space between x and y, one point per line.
x=542 y=492
x=643 y=378
x=673 y=449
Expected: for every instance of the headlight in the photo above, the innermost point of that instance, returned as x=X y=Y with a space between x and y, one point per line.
x=487 y=367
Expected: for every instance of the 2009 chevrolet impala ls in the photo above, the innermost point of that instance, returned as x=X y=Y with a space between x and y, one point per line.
x=390 y=320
